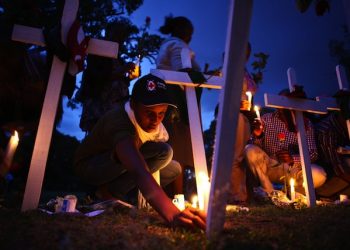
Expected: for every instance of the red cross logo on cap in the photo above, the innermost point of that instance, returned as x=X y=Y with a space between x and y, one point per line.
x=151 y=86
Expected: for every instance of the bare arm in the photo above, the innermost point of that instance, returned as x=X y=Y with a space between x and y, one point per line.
x=132 y=159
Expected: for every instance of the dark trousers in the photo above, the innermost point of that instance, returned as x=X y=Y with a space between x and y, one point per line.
x=103 y=170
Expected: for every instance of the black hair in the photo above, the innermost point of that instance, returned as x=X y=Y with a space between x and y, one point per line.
x=173 y=24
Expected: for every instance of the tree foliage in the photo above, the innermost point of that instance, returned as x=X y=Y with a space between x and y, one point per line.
x=321 y=6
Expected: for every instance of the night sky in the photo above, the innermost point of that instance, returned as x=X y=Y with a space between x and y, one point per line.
x=291 y=38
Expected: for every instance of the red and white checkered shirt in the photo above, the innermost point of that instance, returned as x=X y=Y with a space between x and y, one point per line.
x=276 y=137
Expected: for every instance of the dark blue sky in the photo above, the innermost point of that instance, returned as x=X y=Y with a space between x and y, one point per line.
x=292 y=39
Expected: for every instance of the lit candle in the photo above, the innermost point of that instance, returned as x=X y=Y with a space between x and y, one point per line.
x=179 y=201
x=292 y=189
x=194 y=201
x=203 y=192
x=257 y=112
x=9 y=153
x=249 y=95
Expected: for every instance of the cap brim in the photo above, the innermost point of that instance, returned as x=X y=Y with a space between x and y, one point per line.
x=152 y=105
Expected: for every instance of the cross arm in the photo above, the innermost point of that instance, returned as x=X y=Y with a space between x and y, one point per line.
x=331 y=103
x=35 y=36
x=304 y=105
x=182 y=78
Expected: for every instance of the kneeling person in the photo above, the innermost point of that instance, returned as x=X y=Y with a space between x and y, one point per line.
x=128 y=144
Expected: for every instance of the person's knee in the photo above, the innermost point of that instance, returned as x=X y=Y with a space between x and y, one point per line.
x=319 y=176
x=250 y=152
x=165 y=151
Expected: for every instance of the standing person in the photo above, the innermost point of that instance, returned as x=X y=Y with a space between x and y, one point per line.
x=180 y=30
x=238 y=175
x=274 y=152
x=105 y=82
x=128 y=144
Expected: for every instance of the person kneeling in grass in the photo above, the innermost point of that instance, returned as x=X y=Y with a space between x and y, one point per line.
x=127 y=145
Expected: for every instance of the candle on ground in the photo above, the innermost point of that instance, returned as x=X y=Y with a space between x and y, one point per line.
x=203 y=192
x=292 y=189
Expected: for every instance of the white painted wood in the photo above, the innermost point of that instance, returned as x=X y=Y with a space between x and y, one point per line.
x=27 y=34
x=47 y=118
x=343 y=84
x=229 y=106
x=46 y=123
x=303 y=147
x=35 y=36
x=298 y=104
x=43 y=137
x=329 y=102
x=183 y=79
x=199 y=160
x=341 y=76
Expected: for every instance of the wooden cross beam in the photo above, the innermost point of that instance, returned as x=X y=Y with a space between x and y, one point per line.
x=48 y=113
x=229 y=108
x=182 y=78
x=298 y=106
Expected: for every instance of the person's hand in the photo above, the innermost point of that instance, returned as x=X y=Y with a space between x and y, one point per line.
x=245 y=105
x=190 y=218
x=284 y=156
x=257 y=127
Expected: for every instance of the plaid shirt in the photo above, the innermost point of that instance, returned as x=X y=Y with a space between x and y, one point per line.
x=276 y=137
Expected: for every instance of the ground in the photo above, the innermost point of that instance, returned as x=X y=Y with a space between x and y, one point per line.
x=262 y=227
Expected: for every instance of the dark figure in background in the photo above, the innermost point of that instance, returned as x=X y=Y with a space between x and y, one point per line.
x=128 y=144
x=169 y=58
x=106 y=81
x=333 y=145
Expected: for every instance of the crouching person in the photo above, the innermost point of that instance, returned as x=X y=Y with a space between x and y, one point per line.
x=127 y=145
x=274 y=153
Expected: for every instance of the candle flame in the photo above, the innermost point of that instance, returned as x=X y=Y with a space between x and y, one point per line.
x=15 y=136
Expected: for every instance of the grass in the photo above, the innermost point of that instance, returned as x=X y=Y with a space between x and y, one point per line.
x=263 y=227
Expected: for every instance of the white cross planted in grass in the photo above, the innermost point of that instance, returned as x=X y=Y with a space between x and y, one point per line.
x=230 y=96
x=183 y=79
x=46 y=123
x=343 y=85
x=298 y=106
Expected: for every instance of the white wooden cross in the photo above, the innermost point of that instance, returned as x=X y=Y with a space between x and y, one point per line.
x=298 y=106
x=182 y=78
x=238 y=29
x=48 y=113
x=343 y=85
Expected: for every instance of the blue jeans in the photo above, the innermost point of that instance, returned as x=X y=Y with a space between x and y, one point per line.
x=103 y=170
